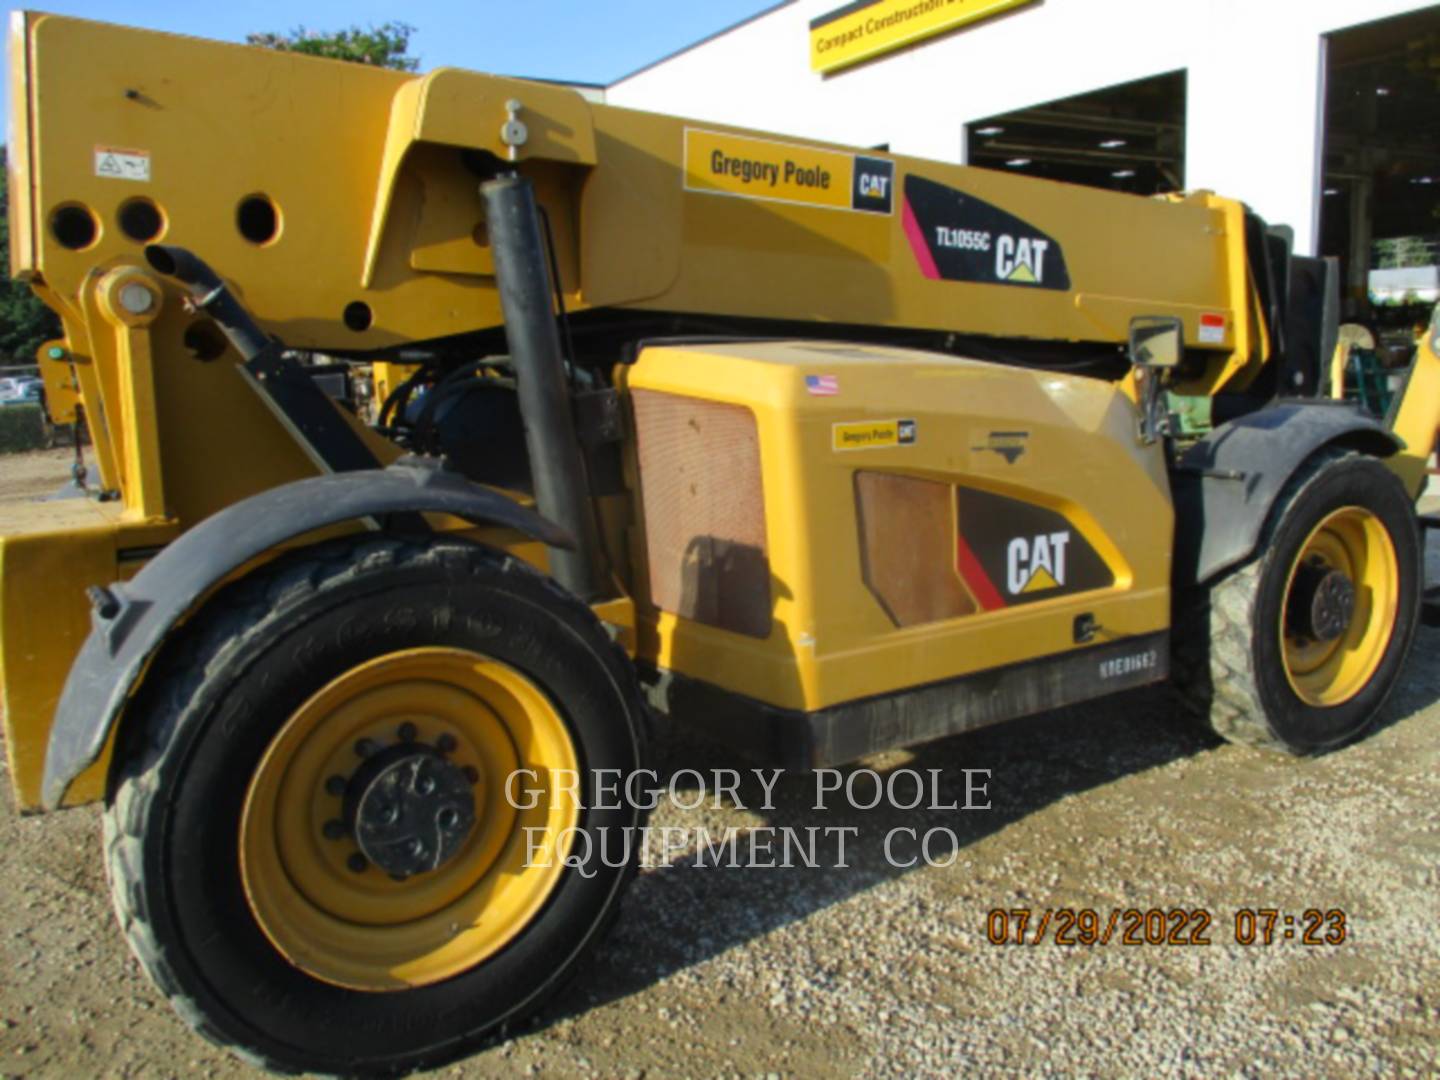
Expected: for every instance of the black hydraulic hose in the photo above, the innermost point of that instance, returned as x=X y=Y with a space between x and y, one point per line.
x=210 y=295
x=425 y=422
x=559 y=290
x=283 y=383
x=562 y=491
x=399 y=398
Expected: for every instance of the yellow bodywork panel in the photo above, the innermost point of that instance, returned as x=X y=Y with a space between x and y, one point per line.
x=1417 y=416
x=50 y=553
x=62 y=388
x=387 y=378
x=910 y=414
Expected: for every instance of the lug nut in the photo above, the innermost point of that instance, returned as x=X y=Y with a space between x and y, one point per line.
x=447 y=818
x=424 y=785
x=334 y=829
x=445 y=743
x=407 y=732
x=365 y=747
x=472 y=774
x=335 y=785
x=357 y=862
x=416 y=846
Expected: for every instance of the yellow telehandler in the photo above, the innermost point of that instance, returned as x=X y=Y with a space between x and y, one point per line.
x=825 y=452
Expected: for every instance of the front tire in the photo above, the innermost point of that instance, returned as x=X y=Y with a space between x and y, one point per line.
x=1298 y=649
x=282 y=913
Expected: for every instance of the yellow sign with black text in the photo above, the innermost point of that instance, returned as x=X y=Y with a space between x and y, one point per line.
x=868 y=28
x=872 y=434
x=719 y=163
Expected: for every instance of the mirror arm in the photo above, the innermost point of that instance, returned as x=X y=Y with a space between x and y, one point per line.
x=1154 y=419
x=1149 y=366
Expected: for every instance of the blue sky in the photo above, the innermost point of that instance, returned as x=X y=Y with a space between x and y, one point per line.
x=595 y=41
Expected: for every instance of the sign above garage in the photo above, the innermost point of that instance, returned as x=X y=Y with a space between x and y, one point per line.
x=868 y=28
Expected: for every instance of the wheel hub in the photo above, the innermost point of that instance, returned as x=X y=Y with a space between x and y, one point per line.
x=351 y=860
x=1322 y=602
x=409 y=809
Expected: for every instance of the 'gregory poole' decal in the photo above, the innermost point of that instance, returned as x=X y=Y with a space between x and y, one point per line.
x=724 y=163
x=957 y=237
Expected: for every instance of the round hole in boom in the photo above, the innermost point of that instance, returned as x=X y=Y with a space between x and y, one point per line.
x=74 y=226
x=258 y=219
x=358 y=315
x=140 y=220
x=203 y=341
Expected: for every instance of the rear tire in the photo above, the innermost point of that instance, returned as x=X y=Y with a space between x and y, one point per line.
x=1249 y=666
x=207 y=875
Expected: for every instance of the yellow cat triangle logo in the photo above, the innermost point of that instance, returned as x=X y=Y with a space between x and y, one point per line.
x=1022 y=272
x=1040 y=581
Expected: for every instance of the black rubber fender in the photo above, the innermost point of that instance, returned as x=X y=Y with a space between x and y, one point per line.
x=130 y=621
x=1225 y=485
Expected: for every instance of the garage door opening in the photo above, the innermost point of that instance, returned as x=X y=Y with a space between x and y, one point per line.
x=1380 y=201
x=1129 y=137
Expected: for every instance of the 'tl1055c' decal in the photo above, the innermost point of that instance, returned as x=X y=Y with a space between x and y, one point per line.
x=957 y=237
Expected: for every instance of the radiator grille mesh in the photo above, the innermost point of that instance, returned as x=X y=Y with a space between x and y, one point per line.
x=704 y=510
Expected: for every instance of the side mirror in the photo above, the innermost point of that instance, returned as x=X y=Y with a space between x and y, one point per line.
x=1156 y=341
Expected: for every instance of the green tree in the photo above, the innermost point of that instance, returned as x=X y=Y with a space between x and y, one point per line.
x=379 y=46
x=1404 y=251
x=25 y=323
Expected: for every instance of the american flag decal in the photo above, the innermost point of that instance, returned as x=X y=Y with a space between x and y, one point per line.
x=822 y=385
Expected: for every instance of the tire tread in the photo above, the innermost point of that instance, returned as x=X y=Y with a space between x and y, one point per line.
x=1216 y=681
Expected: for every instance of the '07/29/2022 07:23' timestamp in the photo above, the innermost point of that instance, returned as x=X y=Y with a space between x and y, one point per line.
x=1164 y=926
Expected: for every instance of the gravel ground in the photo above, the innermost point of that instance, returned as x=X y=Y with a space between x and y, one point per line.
x=873 y=970
x=39 y=472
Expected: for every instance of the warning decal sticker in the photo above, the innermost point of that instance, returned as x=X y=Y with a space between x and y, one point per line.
x=1009 y=446
x=1212 y=329
x=118 y=164
x=957 y=237
x=717 y=163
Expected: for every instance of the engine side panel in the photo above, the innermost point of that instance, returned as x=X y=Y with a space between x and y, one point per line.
x=925 y=518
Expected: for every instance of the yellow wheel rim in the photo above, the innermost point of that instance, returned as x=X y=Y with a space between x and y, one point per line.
x=1351 y=542
x=358 y=927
